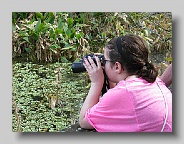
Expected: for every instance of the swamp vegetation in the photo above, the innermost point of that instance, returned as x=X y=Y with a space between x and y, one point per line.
x=46 y=98
x=46 y=94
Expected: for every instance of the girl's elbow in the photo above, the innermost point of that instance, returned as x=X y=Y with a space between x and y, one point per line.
x=84 y=124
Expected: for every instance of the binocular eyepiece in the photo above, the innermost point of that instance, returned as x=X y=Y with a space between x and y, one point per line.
x=78 y=67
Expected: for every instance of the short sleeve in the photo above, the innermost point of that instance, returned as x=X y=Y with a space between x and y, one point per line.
x=114 y=112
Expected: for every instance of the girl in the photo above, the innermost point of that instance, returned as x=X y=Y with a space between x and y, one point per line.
x=140 y=102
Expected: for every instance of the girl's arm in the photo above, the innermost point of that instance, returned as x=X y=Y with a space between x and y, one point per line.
x=97 y=78
x=166 y=77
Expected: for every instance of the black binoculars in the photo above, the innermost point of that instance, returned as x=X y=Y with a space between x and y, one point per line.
x=78 y=67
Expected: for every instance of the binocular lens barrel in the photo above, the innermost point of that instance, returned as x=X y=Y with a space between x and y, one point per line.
x=78 y=67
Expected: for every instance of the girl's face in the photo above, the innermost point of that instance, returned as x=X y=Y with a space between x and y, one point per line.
x=109 y=70
x=113 y=70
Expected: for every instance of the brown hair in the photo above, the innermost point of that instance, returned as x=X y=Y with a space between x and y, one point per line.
x=133 y=56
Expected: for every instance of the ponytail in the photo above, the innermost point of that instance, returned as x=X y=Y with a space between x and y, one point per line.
x=132 y=52
x=148 y=72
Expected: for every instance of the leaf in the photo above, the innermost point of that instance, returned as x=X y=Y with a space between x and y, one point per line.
x=37 y=25
x=52 y=34
x=63 y=59
x=79 y=35
x=169 y=59
x=54 y=46
x=69 y=48
x=68 y=32
x=35 y=36
x=13 y=27
x=23 y=33
x=58 y=31
x=51 y=17
x=26 y=39
x=28 y=50
x=39 y=15
x=81 y=25
x=65 y=27
x=70 y=22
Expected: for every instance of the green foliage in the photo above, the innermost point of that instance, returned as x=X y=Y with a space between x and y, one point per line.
x=34 y=84
x=66 y=36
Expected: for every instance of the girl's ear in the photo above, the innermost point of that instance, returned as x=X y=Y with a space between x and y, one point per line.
x=118 y=67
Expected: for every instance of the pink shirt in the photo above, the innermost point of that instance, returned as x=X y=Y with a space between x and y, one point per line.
x=133 y=106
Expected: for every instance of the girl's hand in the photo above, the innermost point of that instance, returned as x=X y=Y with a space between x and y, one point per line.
x=95 y=71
